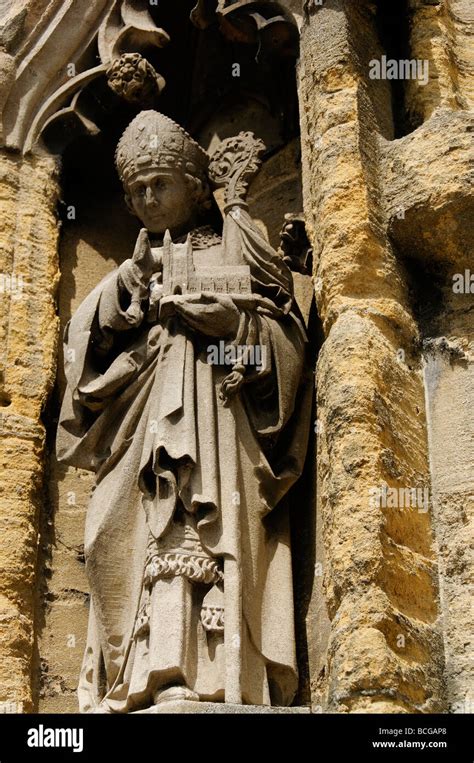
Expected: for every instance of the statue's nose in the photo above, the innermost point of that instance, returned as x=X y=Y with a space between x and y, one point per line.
x=150 y=196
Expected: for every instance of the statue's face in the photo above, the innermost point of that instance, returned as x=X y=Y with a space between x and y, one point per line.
x=162 y=200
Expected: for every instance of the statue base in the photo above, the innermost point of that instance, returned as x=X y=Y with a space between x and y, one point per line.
x=219 y=708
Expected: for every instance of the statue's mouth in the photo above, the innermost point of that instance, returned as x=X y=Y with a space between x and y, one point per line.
x=154 y=212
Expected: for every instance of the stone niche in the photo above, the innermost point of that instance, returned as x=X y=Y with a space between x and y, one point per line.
x=214 y=100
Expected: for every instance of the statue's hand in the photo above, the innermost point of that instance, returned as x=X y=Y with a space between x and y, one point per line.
x=135 y=275
x=143 y=260
x=210 y=314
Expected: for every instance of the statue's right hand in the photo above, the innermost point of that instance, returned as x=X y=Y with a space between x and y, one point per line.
x=142 y=259
x=135 y=275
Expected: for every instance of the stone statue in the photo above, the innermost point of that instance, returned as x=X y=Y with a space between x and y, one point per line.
x=187 y=396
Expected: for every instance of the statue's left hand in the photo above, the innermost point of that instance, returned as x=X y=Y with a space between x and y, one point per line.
x=209 y=313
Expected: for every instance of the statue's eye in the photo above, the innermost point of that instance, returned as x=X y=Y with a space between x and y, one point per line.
x=140 y=190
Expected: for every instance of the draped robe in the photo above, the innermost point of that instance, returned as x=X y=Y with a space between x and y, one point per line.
x=142 y=410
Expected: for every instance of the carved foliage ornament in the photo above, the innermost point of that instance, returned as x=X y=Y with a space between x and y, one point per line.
x=234 y=164
x=133 y=78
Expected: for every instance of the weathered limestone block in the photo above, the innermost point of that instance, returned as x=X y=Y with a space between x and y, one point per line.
x=428 y=189
x=380 y=581
x=29 y=260
x=28 y=268
x=20 y=459
x=384 y=649
x=441 y=33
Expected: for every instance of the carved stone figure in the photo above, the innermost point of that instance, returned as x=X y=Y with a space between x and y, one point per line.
x=187 y=396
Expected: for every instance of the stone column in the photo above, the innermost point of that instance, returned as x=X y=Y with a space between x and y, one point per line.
x=29 y=333
x=380 y=585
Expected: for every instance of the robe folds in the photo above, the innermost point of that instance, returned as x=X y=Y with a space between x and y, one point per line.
x=142 y=410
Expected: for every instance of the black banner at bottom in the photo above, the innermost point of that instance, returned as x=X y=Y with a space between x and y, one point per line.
x=119 y=737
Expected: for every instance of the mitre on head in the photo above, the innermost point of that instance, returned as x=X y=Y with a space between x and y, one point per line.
x=154 y=141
